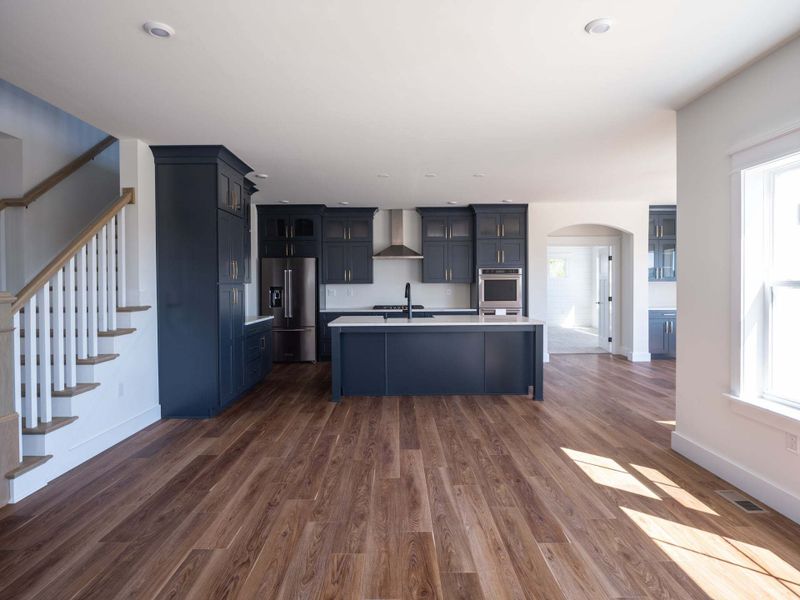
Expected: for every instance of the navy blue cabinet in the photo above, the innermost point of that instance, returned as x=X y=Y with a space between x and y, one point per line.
x=347 y=245
x=447 y=245
x=249 y=190
x=200 y=246
x=663 y=331
x=501 y=235
x=662 y=249
x=257 y=352
x=295 y=231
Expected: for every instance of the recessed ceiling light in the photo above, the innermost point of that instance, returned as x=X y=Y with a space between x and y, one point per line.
x=283 y=201
x=344 y=203
x=261 y=175
x=452 y=202
x=508 y=200
x=598 y=26
x=159 y=30
x=430 y=174
x=479 y=174
x=383 y=175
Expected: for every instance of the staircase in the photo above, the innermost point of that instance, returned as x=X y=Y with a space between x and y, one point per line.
x=72 y=328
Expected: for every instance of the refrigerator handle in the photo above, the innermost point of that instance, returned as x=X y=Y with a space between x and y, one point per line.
x=287 y=283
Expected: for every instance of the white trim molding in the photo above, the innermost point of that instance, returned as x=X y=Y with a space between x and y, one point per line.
x=768 y=492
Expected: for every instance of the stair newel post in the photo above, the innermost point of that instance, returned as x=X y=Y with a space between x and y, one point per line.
x=16 y=381
x=10 y=431
x=92 y=292
x=57 y=284
x=111 y=276
x=70 y=369
x=45 y=372
x=122 y=296
x=30 y=409
x=82 y=303
x=102 y=281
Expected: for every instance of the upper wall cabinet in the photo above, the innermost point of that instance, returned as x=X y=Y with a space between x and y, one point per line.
x=290 y=231
x=662 y=248
x=447 y=245
x=347 y=245
x=501 y=232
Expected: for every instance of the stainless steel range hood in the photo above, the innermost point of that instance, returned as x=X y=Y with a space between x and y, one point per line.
x=398 y=249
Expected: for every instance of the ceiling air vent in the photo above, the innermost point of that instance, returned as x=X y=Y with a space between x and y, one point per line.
x=741 y=501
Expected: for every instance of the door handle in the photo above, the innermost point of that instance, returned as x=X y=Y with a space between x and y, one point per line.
x=287 y=294
x=503 y=230
x=498 y=230
x=286 y=249
x=263 y=342
x=235 y=270
x=292 y=248
x=503 y=254
x=498 y=255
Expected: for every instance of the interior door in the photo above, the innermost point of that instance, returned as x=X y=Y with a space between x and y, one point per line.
x=603 y=304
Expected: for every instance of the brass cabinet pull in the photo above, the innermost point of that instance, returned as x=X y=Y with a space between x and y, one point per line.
x=503 y=230
x=503 y=256
x=498 y=230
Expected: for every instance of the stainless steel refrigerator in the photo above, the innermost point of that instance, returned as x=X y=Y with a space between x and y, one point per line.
x=289 y=293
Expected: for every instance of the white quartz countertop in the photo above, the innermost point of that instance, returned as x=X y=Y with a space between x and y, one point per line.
x=369 y=309
x=257 y=319
x=447 y=320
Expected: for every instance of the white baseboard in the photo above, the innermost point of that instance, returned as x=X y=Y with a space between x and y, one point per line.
x=638 y=356
x=767 y=492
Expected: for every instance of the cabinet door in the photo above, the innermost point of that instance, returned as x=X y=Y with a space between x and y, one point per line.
x=667 y=260
x=658 y=336
x=652 y=226
x=434 y=263
x=359 y=229
x=668 y=223
x=512 y=253
x=460 y=227
x=303 y=249
x=652 y=260
x=227 y=385
x=237 y=195
x=266 y=352
x=334 y=229
x=360 y=259
x=230 y=248
x=512 y=225
x=672 y=337
x=224 y=189
x=488 y=253
x=487 y=225
x=334 y=262
x=276 y=249
x=459 y=258
x=434 y=228
x=237 y=325
x=305 y=227
x=247 y=241
x=276 y=227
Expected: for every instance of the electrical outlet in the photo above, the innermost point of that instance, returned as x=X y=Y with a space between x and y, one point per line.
x=448 y=292
x=349 y=291
x=792 y=444
x=331 y=292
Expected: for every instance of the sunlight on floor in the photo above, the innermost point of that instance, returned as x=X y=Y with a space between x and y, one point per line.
x=608 y=472
x=670 y=424
x=724 y=568
x=671 y=488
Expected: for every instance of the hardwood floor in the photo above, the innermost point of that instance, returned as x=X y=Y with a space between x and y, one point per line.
x=289 y=496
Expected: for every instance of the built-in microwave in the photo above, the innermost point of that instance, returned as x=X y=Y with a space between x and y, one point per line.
x=500 y=288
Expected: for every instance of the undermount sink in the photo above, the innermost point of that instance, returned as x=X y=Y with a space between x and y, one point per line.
x=405 y=316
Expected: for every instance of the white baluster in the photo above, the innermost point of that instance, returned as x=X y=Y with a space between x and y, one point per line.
x=17 y=380
x=30 y=409
x=122 y=292
x=112 y=273
x=82 y=309
x=45 y=374
x=102 y=286
x=91 y=269
x=57 y=282
x=70 y=375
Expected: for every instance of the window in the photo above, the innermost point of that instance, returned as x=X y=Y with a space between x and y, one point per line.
x=771 y=280
x=557 y=268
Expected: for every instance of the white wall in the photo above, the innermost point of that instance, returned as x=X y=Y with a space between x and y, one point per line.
x=390 y=276
x=752 y=107
x=50 y=138
x=631 y=218
x=571 y=299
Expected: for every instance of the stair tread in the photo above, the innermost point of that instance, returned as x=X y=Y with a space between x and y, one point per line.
x=116 y=332
x=91 y=360
x=132 y=308
x=80 y=388
x=28 y=463
x=44 y=428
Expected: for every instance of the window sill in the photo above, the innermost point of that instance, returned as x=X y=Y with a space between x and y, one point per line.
x=768 y=412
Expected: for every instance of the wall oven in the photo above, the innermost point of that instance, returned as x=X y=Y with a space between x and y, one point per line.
x=500 y=288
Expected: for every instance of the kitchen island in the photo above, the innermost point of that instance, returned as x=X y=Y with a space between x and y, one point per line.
x=453 y=354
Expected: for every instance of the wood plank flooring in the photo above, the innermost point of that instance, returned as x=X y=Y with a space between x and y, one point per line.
x=287 y=495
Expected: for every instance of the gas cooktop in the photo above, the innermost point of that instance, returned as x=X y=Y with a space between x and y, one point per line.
x=397 y=307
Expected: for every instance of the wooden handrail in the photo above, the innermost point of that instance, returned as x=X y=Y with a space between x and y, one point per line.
x=47 y=184
x=128 y=197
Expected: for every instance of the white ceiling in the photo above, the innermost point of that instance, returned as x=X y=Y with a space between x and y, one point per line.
x=325 y=95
